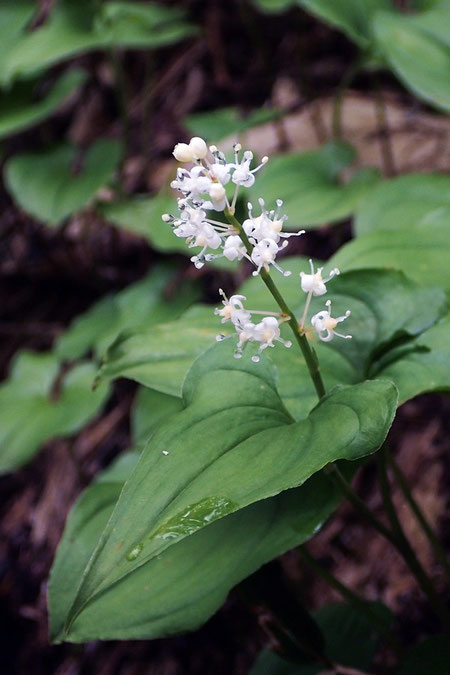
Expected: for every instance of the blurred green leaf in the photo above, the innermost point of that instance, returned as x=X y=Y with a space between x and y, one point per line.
x=421 y=251
x=77 y=26
x=354 y=17
x=404 y=201
x=350 y=641
x=309 y=185
x=214 y=125
x=417 y=49
x=14 y=17
x=236 y=408
x=274 y=6
x=145 y=303
x=46 y=185
x=431 y=656
x=35 y=406
x=19 y=109
x=142 y=215
x=187 y=583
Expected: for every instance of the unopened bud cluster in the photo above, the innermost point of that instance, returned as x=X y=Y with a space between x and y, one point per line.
x=203 y=189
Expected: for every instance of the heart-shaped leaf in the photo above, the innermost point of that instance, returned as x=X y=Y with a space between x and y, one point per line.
x=142 y=304
x=416 y=198
x=19 y=109
x=36 y=406
x=310 y=187
x=187 y=583
x=238 y=437
x=47 y=185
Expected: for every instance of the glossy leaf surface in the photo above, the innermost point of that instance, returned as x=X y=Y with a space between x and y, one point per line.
x=49 y=186
x=234 y=430
x=189 y=581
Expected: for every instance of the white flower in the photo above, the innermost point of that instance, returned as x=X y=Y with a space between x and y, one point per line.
x=268 y=225
x=234 y=249
x=264 y=254
x=314 y=283
x=233 y=310
x=218 y=196
x=198 y=147
x=242 y=174
x=192 y=183
x=324 y=324
x=183 y=153
x=265 y=333
x=246 y=333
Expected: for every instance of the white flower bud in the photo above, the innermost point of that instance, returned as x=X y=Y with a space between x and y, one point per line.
x=198 y=147
x=183 y=153
x=217 y=192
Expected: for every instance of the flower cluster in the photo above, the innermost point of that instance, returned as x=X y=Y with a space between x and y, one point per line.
x=259 y=239
x=266 y=332
x=203 y=189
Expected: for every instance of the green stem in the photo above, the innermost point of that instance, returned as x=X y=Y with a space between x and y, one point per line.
x=349 y=76
x=404 y=546
x=308 y=354
x=352 y=598
x=417 y=511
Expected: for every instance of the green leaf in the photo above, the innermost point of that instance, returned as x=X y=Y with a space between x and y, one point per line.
x=142 y=215
x=189 y=581
x=85 y=523
x=421 y=365
x=430 y=656
x=159 y=357
x=350 y=641
x=79 y=26
x=274 y=6
x=145 y=303
x=214 y=125
x=386 y=307
x=150 y=409
x=420 y=251
x=310 y=187
x=35 y=406
x=46 y=185
x=354 y=17
x=235 y=406
x=417 y=52
x=19 y=109
x=14 y=17
x=404 y=201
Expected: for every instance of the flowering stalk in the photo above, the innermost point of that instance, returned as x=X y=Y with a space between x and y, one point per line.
x=308 y=354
